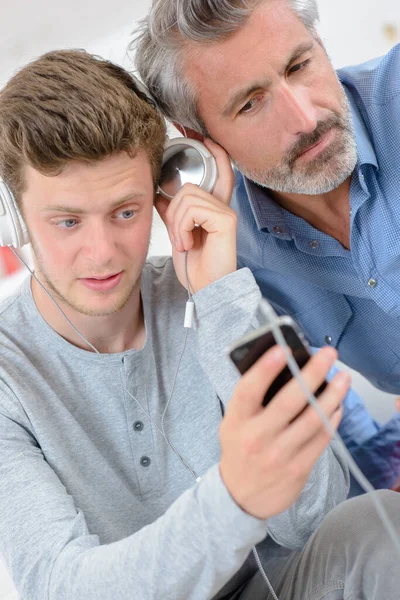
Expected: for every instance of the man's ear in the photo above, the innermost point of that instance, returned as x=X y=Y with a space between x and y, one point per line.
x=189 y=133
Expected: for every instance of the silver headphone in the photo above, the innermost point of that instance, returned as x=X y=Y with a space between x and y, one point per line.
x=186 y=161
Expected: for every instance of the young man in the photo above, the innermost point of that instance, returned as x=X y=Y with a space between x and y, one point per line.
x=317 y=157
x=117 y=478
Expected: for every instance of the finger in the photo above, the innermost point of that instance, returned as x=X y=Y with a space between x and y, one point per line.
x=252 y=387
x=209 y=219
x=290 y=400
x=309 y=424
x=226 y=178
x=184 y=237
x=397 y=404
x=188 y=193
x=306 y=457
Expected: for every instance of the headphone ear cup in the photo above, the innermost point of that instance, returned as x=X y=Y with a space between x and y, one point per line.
x=13 y=231
x=186 y=159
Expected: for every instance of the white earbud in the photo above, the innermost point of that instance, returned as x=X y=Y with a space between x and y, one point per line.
x=13 y=231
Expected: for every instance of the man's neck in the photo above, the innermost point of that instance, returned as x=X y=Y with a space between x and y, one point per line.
x=329 y=213
x=117 y=332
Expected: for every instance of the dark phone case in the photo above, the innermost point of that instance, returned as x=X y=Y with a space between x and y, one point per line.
x=246 y=355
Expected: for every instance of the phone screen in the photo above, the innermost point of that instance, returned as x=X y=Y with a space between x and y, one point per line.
x=246 y=355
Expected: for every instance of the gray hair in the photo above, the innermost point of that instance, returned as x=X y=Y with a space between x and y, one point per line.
x=173 y=24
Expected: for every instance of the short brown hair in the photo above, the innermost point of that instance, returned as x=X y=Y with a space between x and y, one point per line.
x=69 y=105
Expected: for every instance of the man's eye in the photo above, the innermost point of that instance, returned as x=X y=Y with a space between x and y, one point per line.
x=299 y=66
x=248 y=107
x=127 y=214
x=67 y=223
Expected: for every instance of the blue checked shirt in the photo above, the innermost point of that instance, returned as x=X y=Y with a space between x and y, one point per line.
x=349 y=299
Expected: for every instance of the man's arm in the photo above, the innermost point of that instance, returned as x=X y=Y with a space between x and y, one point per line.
x=190 y=552
x=225 y=311
x=268 y=455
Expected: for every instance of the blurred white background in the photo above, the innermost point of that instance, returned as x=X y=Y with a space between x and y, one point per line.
x=353 y=31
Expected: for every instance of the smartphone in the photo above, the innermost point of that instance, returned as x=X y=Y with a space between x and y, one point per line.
x=246 y=351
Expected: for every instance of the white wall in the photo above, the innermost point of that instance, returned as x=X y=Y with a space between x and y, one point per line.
x=353 y=30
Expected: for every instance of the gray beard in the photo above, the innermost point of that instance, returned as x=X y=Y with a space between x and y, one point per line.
x=321 y=175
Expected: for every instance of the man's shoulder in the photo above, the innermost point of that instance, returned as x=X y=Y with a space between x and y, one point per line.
x=17 y=326
x=160 y=270
x=158 y=264
x=160 y=279
x=376 y=81
x=12 y=307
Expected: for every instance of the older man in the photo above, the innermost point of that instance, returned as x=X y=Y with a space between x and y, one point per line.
x=317 y=156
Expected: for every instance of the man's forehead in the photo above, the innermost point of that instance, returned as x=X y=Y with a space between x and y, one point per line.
x=114 y=166
x=119 y=175
x=263 y=45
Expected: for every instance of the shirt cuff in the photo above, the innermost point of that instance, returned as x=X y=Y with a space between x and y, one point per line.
x=224 y=516
x=226 y=290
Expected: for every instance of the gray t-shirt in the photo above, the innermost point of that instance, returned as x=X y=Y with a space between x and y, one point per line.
x=94 y=504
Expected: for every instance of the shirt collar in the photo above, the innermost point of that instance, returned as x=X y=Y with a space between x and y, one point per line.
x=269 y=216
x=365 y=149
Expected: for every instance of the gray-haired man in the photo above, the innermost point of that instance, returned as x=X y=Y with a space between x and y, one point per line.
x=317 y=155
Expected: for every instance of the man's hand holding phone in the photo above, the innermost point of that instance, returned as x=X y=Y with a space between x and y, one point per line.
x=204 y=224
x=267 y=454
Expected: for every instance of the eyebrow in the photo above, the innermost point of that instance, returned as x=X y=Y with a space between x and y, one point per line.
x=241 y=95
x=63 y=208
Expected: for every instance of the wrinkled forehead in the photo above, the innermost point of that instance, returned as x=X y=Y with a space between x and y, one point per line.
x=260 y=48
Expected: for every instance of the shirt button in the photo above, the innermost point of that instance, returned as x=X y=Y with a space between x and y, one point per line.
x=145 y=461
x=277 y=229
x=328 y=339
x=372 y=283
x=138 y=426
x=314 y=244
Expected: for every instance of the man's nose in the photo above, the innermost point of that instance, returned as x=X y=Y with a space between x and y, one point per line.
x=99 y=245
x=297 y=112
